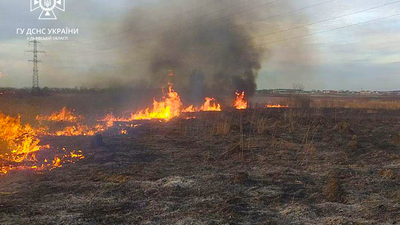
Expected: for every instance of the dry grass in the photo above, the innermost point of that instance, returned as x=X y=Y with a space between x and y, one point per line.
x=261 y=125
x=354 y=144
x=221 y=128
x=333 y=190
x=387 y=173
x=357 y=104
x=249 y=167
x=396 y=139
x=233 y=167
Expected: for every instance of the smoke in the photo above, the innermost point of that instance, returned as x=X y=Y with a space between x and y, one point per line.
x=210 y=50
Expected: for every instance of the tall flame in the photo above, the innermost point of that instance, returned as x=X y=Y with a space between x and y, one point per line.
x=240 y=102
x=167 y=109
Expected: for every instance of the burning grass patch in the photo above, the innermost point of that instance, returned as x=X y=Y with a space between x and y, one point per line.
x=156 y=174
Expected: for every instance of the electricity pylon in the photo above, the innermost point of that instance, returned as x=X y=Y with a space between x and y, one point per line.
x=35 y=81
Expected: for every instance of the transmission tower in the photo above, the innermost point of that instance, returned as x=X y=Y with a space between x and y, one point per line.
x=35 y=81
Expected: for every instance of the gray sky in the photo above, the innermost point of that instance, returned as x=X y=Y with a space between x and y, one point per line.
x=362 y=56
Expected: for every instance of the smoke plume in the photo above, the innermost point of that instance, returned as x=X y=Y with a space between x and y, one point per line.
x=210 y=50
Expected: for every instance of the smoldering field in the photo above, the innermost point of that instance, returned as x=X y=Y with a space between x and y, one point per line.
x=257 y=166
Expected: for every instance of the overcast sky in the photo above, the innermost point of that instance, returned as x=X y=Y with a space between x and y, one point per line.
x=335 y=54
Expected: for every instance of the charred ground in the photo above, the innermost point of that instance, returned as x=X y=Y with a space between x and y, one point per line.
x=261 y=166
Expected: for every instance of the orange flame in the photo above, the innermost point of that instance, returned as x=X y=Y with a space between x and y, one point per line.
x=190 y=109
x=17 y=142
x=19 y=145
x=77 y=155
x=63 y=116
x=76 y=130
x=170 y=107
x=79 y=130
x=167 y=109
x=276 y=106
x=211 y=106
x=240 y=102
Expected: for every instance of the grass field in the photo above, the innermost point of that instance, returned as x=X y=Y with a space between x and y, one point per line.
x=258 y=166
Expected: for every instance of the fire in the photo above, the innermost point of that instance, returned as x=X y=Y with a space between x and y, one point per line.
x=19 y=146
x=62 y=116
x=240 y=102
x=276 y=106
x=211 y=105
x=79 y=130
x=17 y=142
x=167 y=109
x=77 y=155
x=75 y=128
x=190 y=109
x=57 y=162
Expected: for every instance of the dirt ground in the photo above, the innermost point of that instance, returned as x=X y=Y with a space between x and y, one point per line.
x=265 y=166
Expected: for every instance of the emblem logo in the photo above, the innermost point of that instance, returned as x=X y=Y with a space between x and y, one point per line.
x=47 y=7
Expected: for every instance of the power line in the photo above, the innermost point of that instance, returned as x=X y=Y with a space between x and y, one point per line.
x=204 y=15
x=286 y=13
x=309 y=24
x=169 y=18
x=306 y=25
x=314 y=23
x=292 y=38
x=325 y=31
x=300 y=36
x=173 y=32
x=234 y=26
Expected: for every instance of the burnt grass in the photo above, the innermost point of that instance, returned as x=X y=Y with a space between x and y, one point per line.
x=278 y=166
